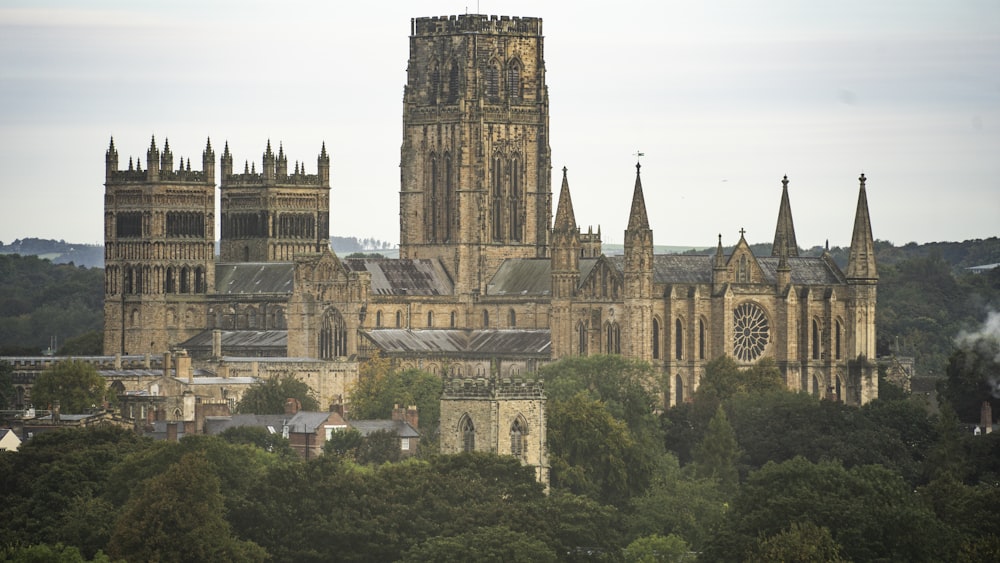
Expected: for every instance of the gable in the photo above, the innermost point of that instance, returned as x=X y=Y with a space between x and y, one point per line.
x=603 y=281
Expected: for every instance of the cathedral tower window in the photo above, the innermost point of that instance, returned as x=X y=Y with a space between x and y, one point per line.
x=200 y=285
x=449 y=193
x=518 y=429
x=486 y=319
x=581 y=337
x=435 y=86
x=185 y=280
x=170 y=284
x=512 y=318
x=613 y=335
x=678 y=390
x=454 y=78
x=468 y=431
x=496 y=214
x=678 y=340
x=493 y=82
x=515 y=200
x=430 y=319
x=514 y=80
x=656 y=339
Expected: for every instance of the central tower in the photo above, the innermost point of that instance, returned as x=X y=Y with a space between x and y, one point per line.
x=475 y=163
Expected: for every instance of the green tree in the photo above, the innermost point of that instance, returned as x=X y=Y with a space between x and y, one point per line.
x=380 y=388
x=44 y=553
x=497 y=544
x=344 y=443
x=800 y=543
x=716 y=456
x=381 y=446
x=724 y=379
x=657 y=549
x=90 y=343
x=269 y=396
x=178 y=516
x=260 y=438
x=973 y=374
x=74 y=384
x=6 y=385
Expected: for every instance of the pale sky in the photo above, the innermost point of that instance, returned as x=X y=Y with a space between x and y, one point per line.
x=723 y=97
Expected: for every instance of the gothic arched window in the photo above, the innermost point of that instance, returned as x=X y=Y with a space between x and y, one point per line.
x=468 y=431
x=815 y=340
x=454 y=319
x=496 y=209
x=332 y=336
x=656 y=339
x=512 y=320
x=837 y=336
x=678 y=340
x=518 y=429
x=581 y=337
x=678 y=390
x=378 y=319
x=514 y=80
x=612 y=344
x=493 y=82
x=514 y=211
x=430 y=319
x=454 y=76
x=751 y=332
x=701 y=339
x=399 y=319
x=486 y=319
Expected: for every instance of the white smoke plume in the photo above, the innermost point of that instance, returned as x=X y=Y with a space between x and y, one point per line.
x=985 y=341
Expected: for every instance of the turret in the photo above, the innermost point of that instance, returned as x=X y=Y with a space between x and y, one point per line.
x=110 y=161
x=153 y=162
x=268 y=165
x=282 y=168
x=565 y=245
x=167 y=157
x=638 y=245
x=784 y=232
x=208 y=162
x=861 y=261
x=323 y=164
x=226 y=163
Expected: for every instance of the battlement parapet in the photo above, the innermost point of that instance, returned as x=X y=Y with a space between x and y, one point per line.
x=287 y=180
x=476 y=23
x=483 y=388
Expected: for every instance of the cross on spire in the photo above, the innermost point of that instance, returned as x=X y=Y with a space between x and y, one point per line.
x=742 y=232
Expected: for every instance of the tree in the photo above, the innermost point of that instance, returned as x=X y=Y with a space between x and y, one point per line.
x=269 y=396
x=490 y=543
x=974 y=372
x=800 y=543
x=178 y=516
x=260 y=438
x=724 y=378
x=716 y=456
x=381 y=446
x=657 y=549
x=90 y=343
x=6 y=385
x=44 y=553
x=343 y=443
x=380 y=388
x=74 y=384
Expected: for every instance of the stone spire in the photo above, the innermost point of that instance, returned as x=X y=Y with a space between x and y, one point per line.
x=861 y=261
x=784 y=232
x=565 y=219
x=637 y=218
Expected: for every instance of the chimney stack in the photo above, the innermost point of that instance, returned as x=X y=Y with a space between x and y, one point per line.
x=292 y=406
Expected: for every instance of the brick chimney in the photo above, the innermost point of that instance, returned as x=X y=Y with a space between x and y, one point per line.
x=292 y=405
x=406 y=414
x=986 y=417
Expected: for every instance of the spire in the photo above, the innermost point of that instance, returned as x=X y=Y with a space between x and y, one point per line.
x=637 y=217
x=784 y=232
x=565 y=219
x=720 y=258
x=861 y=261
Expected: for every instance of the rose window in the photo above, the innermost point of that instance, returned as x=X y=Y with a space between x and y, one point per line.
x=750 y=332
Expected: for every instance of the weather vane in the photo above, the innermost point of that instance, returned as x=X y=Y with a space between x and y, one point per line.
x=638 y=154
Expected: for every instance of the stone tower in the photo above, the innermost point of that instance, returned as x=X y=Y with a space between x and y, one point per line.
x=862 y=281
x=566 y=250
x=272 y=215
x=638 y=277
x=475 y=159
x=158 y=249
x=501 y=416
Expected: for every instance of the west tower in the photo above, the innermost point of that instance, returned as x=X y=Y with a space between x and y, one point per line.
x=158 y=249
x=475 y=159
x=273 y=214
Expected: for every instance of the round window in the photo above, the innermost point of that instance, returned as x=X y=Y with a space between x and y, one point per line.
x=750 y=332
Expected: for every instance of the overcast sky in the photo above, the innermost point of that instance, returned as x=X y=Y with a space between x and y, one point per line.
x=723 y=97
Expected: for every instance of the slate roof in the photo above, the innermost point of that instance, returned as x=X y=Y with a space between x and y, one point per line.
x=254 y=278
x=691 y=269
x=529 y=276
x=400 y=428
x=449 y=342
x=403 y=276
x=301 y=422
x=240 y=339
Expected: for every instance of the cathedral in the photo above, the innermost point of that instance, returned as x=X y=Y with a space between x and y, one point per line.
x=491 y=282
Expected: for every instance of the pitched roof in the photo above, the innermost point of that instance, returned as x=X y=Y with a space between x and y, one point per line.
x=565 y=218
x=690 y=268
x=861 y=260
x=637 y=218
x=403 y=276
x=254 y=278
x=452 y=342
x=401 y=428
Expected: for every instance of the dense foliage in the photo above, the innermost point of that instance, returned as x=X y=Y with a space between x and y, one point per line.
x=73 y=384
x=269 y=396
x=41 y=303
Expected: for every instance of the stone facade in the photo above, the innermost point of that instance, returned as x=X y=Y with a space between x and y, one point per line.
x=498 y=415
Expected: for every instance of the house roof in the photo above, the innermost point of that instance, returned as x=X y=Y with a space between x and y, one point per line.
x=453 y=342
x=403 y=276
x=307 y=422
x=401 y=428
x=254 y=277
